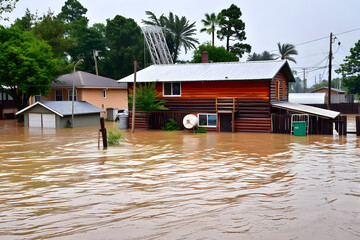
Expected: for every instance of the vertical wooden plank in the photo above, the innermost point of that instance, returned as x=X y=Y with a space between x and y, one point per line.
x=357 y=125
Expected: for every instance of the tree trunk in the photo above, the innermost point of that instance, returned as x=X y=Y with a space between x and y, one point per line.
x=213 y=36
x=227 y=43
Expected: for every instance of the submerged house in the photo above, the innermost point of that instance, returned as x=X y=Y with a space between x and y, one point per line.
x=58 y=114
x=226 y=97
x=101 y=92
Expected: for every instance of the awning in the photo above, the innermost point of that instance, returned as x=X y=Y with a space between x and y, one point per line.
x=295 y=107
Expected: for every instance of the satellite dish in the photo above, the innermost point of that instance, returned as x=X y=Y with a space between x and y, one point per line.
x=190 y=121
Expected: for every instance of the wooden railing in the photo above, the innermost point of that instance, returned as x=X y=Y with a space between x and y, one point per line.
x=226 y=105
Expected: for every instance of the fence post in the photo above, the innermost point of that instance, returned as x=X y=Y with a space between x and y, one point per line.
x=357 y=125
x=103 y=132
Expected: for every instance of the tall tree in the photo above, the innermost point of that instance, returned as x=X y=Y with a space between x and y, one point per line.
x=26 y=22
x=265 y=55
x=6 y=6
x=216 y=54
x=233 y=28
x=211 y=21
x=72 y=11
x=350 y=69
x=26 y=65
x=286 y=50
x=180 y=30
x=52 y=30
x=125 y=44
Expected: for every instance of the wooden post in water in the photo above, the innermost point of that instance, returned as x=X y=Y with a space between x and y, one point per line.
x=103 y=132
x=357 y=125
x=134 y=98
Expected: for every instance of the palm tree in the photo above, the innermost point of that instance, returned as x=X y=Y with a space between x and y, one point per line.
x=210 y=21
x=178 y=29
x=285 y=50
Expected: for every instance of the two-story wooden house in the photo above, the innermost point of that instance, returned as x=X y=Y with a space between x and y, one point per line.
x=233 y=96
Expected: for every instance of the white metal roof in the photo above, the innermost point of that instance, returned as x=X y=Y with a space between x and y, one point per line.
x=307 y=98
x=63 y=108
x=306 y=109
x=257 y=70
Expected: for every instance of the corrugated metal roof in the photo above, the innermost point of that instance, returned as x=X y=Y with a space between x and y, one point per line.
x=63 y=108
x=257 y=70
x=306 y=109
x=87 y=80
x=333 y=89
x=307 y=98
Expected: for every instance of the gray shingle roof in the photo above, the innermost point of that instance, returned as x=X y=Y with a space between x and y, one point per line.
x=87 y=80
x=259 y=70
x=64 y=108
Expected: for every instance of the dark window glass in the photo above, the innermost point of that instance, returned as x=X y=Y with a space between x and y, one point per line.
x=202 y=120
x=37 y=98
x=176 y=89
x=58 y=96
x=167 y=88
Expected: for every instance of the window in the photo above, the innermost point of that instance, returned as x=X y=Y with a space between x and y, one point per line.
x=70 y=95
x=58 y=95
x=277 y=89
x=207 y=120
x=284 y=89
x=38 y=98
x=104 y=93
x=171 y=89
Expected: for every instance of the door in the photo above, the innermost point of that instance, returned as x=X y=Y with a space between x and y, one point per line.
x=48 y=120
x=225 y=122
x=34 y=119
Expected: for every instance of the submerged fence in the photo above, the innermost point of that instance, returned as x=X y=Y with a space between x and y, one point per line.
x=344 y=108
x=281 y=123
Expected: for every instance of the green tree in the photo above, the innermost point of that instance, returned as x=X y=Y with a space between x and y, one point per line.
x=265 y=55
x=211 y=21
x=285 y=50
x=88 y=39
x=233 y=28
x=297 y=86
x=72 y=11
x=125 y=44
x=6 y=6
x=52 y=30
x=147 y=99
x=26 y=65
x=350 y=69
x=26 y=22
x=178 y=31
x=216 y=54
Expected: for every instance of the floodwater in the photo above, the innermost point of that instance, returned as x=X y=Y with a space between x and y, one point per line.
x=56 y=184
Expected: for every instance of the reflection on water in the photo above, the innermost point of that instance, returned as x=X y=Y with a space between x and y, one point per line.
x=177 y=185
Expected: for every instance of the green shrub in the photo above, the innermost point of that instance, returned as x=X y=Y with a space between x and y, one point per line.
x=201 y=130
x=171 y=126
x=114 y=136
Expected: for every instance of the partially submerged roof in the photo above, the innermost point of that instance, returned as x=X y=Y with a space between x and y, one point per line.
x=315 y=111
x=63 y=108
x=87 y=80
x=332 y=89
x=307 y=98
x=256 y=70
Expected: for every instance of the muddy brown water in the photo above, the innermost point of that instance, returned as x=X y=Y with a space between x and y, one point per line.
x=56 y=184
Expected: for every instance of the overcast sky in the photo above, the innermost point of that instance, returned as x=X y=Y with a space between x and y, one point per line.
x=267 y=23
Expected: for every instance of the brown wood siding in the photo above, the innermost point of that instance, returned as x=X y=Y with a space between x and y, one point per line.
x=253 y=116
x=250 y=90
x=283 y=94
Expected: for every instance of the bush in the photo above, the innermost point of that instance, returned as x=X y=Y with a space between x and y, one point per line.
x=171 y=126
x=201 y=130
x=114 y=136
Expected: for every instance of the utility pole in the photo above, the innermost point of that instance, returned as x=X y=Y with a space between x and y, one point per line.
x=329 y=81
x=134 y=99
x=95 y=54
x=304 y=80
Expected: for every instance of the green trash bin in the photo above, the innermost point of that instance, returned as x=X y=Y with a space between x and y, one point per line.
x=299 y=128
